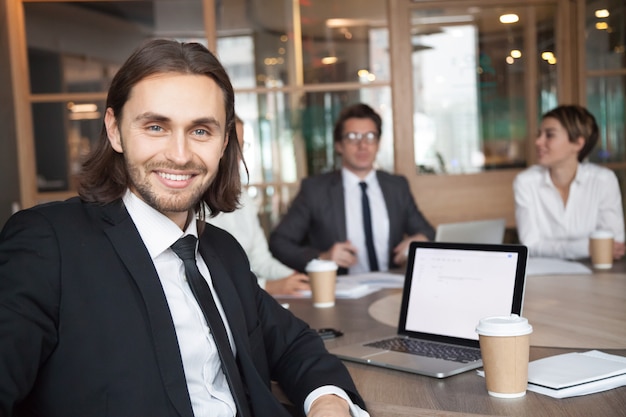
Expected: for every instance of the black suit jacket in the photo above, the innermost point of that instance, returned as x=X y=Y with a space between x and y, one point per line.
x=85 y=328
x=316 y=218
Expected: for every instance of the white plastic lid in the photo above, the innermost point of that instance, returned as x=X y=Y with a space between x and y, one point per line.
x=512 y=325
x=601 y=234
x=318 y=265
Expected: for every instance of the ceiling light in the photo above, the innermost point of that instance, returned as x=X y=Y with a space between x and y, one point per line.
x=516 y=53
x=509 y=18
x=602 y=25
x=602 y=13
x=435 y=20
x=344 y=23
x=329 y=60
x=82 y=108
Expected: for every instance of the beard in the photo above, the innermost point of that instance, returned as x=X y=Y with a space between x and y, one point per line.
x=172 y=200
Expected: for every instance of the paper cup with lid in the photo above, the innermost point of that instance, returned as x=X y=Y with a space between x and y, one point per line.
x=322 y=278
x=505 y=347
x=601 y=249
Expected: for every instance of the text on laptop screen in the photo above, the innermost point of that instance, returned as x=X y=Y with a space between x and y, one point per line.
x=463 y=286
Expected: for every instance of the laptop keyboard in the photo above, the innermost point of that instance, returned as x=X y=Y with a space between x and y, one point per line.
x=428 y=349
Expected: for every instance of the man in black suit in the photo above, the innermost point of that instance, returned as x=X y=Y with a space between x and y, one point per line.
x=98 y=314
x=326 y=218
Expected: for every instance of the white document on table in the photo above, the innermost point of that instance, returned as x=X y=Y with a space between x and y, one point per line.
x=575 y=374
x=377 y=280
x=552 y=266
x=360 y=285
x=342 y=290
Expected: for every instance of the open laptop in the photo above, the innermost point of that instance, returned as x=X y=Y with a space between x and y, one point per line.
x=448 y=288
x=478 y=231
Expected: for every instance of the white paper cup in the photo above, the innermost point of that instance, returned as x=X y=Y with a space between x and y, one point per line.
x=322 y=278
x=601 y=249
x=505 y=348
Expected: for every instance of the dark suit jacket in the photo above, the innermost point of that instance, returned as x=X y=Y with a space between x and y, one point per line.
x=85 y=328
x=316 y=218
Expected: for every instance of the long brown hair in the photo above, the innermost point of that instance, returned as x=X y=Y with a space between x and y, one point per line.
x=104 y=176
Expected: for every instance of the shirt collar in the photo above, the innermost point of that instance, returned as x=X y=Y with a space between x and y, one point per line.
x=351 y=180
x=580 y=173
x=579 y=178
x=157 y=231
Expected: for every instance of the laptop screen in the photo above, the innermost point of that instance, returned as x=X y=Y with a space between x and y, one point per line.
x=450 y=287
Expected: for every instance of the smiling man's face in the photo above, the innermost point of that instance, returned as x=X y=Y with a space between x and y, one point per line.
x=172 y=133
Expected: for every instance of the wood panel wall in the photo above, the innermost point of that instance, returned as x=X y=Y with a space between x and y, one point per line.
x=456 y=198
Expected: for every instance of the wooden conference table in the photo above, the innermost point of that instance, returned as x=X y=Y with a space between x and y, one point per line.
x=568 y=313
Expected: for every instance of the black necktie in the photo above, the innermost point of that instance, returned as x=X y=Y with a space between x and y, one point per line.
x=367 y=226
x=185 y=248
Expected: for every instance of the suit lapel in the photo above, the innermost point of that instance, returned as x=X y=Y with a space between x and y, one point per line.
x=394 y=226
x=261 y=399
x=337 y=202
x=133 y=253
x=226 y=292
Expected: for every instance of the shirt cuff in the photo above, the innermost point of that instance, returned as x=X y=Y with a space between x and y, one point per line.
x=355 y=410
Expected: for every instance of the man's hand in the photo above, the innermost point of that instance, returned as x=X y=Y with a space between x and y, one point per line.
x=290 y=285
x=401 y=251
x=342 y=253
x=329 y=406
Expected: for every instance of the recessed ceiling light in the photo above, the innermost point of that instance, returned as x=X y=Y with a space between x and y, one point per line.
x=509 y=18
x=602 y=13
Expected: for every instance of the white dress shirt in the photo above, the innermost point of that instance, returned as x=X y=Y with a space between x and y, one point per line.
x=354 y=220
x=208 y=388
x=207 y=384
x=244 y=225
x=552 y=229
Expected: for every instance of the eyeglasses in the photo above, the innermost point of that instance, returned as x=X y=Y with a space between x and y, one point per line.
x=354 y=137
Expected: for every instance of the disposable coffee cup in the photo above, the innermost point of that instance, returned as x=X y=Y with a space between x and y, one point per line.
x=601 y=249
x=322 y=278
x=505 y=348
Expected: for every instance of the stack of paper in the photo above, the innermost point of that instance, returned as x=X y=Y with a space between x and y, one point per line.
x=573 y=374
x=550 y=266
x=376 y=280
x=343 y=289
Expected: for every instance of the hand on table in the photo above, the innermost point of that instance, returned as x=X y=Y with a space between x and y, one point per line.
x=290 y=285
x=401 y=251
x=342 y=253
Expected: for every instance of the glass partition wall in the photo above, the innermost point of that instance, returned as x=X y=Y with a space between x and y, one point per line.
x=460 y=89
x=470 y=86
x=604 y=23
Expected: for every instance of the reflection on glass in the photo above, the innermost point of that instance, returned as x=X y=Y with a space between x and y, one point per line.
x=64 y=133
x=78 y=46
x=547 y=60
x=469 y=86
x=605 y=26
x=446 y=99
x=295 y=43
x=605 y=100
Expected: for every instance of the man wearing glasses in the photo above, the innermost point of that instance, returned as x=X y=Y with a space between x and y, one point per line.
x=361 y=218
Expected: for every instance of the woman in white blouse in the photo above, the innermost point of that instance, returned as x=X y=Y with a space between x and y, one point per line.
x=561 y=200
x=243 y=223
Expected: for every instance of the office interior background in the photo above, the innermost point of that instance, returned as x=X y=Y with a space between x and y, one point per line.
x=461 y=86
